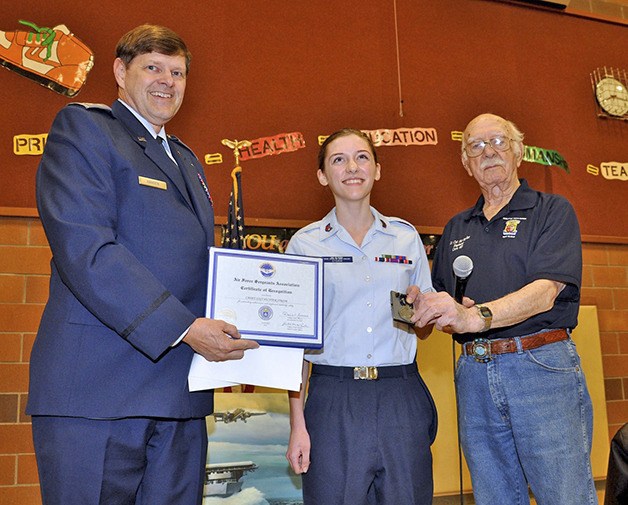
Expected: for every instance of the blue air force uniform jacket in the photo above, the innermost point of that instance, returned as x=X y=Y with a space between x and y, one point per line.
x=129 y=233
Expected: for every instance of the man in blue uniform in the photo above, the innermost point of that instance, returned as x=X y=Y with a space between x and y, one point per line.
x=129 y=220
x=524 y=409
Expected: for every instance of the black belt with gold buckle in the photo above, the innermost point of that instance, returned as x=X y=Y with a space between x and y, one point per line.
x=368 y=373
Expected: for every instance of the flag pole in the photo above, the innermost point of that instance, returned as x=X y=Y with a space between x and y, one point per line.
x=233 y=237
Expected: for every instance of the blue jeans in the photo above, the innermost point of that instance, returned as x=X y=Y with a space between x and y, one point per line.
x=526 y=419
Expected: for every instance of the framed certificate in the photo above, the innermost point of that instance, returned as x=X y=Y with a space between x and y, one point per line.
x=275 y=299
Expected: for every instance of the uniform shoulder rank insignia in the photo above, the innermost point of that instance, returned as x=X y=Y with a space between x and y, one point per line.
x=398 y=221
x=88 y=105
x=178 y=142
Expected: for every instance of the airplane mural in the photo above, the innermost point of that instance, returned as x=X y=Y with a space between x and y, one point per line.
x=232 y=416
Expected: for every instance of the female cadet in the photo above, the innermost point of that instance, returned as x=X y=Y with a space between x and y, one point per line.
x=364 y=435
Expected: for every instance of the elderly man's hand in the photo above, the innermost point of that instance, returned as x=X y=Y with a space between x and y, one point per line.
x=441 y=310
x=217 y=340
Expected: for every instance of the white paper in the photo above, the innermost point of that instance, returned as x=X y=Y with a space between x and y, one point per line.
x=269 y=366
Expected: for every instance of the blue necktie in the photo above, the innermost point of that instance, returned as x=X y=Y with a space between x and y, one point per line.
x=164 y=144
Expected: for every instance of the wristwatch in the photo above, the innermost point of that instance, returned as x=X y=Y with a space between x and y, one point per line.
x=486 y=315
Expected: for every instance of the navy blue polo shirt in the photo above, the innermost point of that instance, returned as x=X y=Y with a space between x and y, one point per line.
x=535 y=236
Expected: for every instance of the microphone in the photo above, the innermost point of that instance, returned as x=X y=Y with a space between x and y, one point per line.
x=463 y=266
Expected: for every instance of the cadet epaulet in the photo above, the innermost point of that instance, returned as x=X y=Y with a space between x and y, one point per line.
x=308 y=228
x=398 y=220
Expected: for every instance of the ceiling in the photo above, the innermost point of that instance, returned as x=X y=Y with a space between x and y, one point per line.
x=613 y=10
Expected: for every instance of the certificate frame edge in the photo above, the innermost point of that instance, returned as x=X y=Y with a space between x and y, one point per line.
x=317 y=261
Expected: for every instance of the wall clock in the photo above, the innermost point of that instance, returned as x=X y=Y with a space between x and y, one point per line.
x=611 y=93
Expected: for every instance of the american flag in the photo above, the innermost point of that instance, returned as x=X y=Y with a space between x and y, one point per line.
x=233 y=237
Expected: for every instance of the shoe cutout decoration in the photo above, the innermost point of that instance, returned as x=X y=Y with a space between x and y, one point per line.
x=52 y=57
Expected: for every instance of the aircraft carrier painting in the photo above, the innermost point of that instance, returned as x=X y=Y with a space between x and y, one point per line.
x=247 y=442
x=223 y=479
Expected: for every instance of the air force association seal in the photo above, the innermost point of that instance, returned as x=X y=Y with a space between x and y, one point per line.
x=265 y=313
x=267 y=270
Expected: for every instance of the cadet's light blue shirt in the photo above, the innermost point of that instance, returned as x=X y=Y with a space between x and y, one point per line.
x=357 y=320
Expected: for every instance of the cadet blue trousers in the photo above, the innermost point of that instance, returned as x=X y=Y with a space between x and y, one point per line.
x=370 y=439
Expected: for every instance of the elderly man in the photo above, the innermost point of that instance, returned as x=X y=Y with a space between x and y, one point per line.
x=524 y=409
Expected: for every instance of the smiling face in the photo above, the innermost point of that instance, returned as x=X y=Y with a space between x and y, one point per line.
x=492 y=167
x=350 y=169
x=153 y=84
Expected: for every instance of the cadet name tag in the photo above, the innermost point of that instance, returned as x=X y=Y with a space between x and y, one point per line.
x=337 y=259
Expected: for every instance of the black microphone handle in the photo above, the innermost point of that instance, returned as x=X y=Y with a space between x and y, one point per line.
x=461 y=286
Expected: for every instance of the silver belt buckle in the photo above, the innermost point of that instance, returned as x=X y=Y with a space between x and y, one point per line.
x=368 y=373
x=481 y=350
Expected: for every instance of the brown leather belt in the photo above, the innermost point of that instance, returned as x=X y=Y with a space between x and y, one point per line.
x=483 y=349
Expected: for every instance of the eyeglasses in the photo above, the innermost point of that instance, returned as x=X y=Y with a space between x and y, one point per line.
x=475 y=148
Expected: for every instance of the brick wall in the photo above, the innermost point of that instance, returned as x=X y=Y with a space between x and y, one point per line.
x=24 y=270
x=605 y=284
